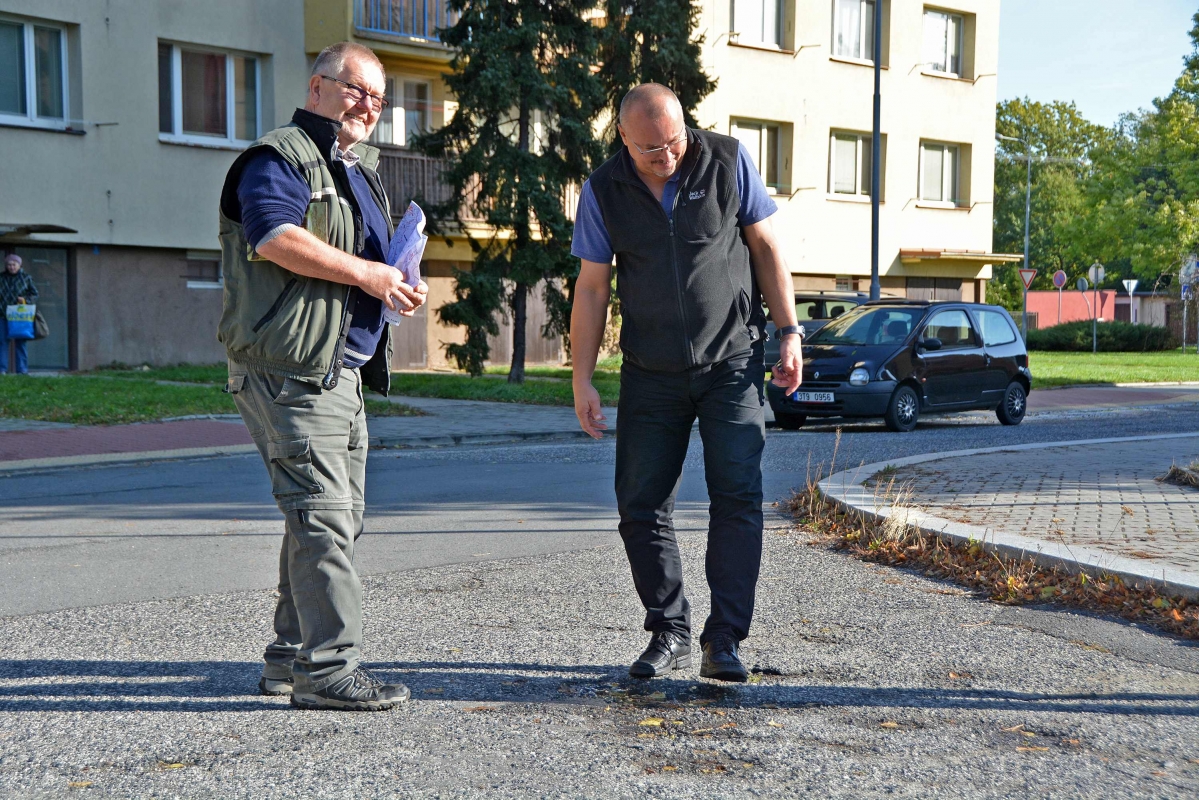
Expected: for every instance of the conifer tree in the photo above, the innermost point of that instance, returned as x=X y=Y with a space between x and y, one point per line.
x=527 y=100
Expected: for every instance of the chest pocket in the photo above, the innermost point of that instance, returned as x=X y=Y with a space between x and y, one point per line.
x=700 y=211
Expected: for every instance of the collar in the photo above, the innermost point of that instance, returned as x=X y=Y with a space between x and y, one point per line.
x=323 y=132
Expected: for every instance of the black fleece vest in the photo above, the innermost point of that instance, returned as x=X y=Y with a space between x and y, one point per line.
x=687 y=292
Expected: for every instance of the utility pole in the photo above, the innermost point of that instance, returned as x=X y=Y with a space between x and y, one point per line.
x=876 y=149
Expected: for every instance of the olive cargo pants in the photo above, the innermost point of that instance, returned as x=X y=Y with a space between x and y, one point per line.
x=314 y=444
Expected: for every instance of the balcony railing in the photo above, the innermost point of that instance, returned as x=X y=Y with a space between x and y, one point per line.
x=419 y=19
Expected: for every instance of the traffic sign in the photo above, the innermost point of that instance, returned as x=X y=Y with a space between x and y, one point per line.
x=1059 y=279
x=1096 y=273
x=1130 y=286
x=1189 y=268
x=1082 y=284
x=1186 y=291
x=1027 y=275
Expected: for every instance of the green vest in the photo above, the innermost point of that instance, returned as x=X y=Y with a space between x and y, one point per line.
x=274 y=319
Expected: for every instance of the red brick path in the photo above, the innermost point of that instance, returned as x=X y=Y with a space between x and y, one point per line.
x=85 y=441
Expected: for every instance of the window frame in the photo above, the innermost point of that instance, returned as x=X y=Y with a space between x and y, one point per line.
x=769 y=132
x=975 y=338
x=30 y=118
x=927 y=66
x=230 y=140
x=982 y=314
x=954 y=191
x=779 y=25
x=861 y=181
x=866 y=54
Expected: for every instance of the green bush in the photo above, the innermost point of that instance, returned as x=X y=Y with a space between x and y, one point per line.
x=1113 y=337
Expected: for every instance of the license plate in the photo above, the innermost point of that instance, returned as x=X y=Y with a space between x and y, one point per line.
x=812 y=397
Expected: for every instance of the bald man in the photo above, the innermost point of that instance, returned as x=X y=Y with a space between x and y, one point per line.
x=686 y=217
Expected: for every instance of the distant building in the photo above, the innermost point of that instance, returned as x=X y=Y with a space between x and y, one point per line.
x=1146 y=308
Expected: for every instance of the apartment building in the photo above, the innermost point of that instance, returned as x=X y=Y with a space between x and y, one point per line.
x=796 y=84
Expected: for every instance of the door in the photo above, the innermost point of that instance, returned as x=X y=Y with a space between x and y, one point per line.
x=1001 y=345
x=48 y=268
x=953 y=374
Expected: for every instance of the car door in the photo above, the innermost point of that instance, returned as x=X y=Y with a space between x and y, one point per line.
x=954 y=374
x=1001 y=345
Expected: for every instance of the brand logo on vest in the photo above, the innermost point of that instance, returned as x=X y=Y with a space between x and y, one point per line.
x=697 y=195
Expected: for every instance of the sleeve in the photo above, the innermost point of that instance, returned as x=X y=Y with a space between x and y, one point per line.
x=30 y=294
x=590 y=241
x=756 y=202
x=273 y=196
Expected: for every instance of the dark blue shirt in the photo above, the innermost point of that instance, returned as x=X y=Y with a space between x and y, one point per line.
x=272 y=193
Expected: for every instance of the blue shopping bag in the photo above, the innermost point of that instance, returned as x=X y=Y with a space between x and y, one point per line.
x=20 y=321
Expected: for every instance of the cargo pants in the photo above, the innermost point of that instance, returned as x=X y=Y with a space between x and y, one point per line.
x=314 y=444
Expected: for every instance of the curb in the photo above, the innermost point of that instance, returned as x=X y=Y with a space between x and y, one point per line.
x=454 y=440
x=846 y=490
x=1133 y=385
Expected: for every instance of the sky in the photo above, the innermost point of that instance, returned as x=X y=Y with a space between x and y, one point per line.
x=1108 y=56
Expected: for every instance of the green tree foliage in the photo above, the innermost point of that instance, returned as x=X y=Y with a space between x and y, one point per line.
x=528 y=100
x=1060 y=142
x=651 y=41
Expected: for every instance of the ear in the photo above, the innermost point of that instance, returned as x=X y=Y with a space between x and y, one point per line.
x=314 y=89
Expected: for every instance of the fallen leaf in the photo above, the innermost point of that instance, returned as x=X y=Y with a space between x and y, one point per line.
x=1013 y=729
x=1031 y=749
x=702 y=730
x=1029 y=734
x=774 y=724
x=888 y=724
x=78 y=784
x=1127 y=510
x=957 y=676
x=669 y=768
x=645 y=736
x=755 y=679
x=1176 y=614
x=727 y=725
x=1070 y=741
x=652 y=722
x=171 y=765
x=747 y=765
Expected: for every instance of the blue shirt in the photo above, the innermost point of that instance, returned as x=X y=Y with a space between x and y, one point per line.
x=273 y=193
x=591 y=241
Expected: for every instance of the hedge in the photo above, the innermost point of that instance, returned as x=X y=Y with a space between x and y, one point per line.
x=1113 y=337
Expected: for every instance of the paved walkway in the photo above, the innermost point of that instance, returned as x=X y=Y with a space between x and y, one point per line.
x=1074 y=397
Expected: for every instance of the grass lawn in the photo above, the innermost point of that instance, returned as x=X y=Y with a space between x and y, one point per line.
x=1066 y=368
x=543 y=386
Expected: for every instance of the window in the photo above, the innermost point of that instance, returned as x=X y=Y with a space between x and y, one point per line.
x=33 y=74
x=406 y=115
x=943 y=42
x=995 y=328
x=849 y=164
x=758 y=22
x=853 y=29
x=207 y=96
x=939 y=173
x=203 y=270
x=764 y=141
x=952 y=328
x=844 y=283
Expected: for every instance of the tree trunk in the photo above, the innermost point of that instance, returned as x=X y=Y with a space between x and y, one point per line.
x=520 y=299
x=521 y=240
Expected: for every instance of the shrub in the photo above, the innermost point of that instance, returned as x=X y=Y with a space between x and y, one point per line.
x=1113 y=337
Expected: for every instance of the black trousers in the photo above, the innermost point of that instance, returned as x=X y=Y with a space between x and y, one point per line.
x=654 y=420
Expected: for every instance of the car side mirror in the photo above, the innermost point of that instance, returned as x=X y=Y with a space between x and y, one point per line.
x=929 y=343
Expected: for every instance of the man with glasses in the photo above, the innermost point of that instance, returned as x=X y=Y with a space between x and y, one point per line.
x=305 y=228
x=686 y=217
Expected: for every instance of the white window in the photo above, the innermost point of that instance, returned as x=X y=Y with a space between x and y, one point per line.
x=939 y=173
x=853 y=29
x=33 y=74
x=758 y=22
x=761 y=139
x=849 y=164
x=942 y=42
x=844 y=283
x=207 y=96
x=406 y=115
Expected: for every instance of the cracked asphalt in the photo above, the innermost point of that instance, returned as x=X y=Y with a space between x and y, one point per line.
x=869 y=681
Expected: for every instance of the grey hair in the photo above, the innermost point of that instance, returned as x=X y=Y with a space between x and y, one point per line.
x=333 y=58
x=643 y=96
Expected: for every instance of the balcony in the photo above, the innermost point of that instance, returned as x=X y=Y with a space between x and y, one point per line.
x=414 y=19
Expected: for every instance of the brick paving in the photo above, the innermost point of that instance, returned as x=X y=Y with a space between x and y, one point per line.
x=1102 y=496
x=108 y=439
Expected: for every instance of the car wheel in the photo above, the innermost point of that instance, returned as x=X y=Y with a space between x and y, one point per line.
x=790 y=422
x=903 y=410
x=1015 y=404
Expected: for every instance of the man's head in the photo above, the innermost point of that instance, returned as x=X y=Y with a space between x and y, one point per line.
x=652 y=129
x=348 y=85
x=13 y=263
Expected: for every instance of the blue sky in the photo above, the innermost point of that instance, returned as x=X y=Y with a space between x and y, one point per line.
x=1108 y=56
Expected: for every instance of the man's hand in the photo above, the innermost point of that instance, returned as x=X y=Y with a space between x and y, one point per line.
x=21 y=300
x=422 y=291
x=387 y=283
x=789 y=372
x=589 y=411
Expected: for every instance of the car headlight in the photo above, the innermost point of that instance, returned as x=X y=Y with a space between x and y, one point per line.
x=859 y=377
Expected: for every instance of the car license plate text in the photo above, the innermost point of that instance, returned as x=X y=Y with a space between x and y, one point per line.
x=812 y=397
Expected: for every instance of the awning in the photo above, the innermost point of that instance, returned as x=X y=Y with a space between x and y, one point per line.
x=16 y=229
x=917 y=256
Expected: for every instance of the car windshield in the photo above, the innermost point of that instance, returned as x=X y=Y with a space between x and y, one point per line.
x=870 y=325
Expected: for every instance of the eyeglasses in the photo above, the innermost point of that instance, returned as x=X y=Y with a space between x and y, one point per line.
x=359 y=94
x=671 y=145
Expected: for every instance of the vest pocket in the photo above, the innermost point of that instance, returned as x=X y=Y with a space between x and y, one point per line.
x=273 y=311
x=700 y=219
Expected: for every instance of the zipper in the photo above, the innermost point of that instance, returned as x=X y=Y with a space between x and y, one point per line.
x=334 y=373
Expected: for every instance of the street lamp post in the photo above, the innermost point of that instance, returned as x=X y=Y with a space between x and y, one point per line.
x=1027 y=215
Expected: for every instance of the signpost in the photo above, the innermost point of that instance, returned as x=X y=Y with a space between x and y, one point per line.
x=1095 y=273
x=1026 y=275
x=1131 y=286
x=1059 y=280
x=1190 y=268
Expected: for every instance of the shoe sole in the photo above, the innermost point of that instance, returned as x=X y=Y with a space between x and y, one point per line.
x=682 y=662
x=325 y=704
x=727 y=675
x=275 y=688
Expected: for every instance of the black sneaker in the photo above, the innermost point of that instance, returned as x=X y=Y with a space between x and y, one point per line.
x=358 y=691
x=720 y=661
x=275 y=687
x=667 y=651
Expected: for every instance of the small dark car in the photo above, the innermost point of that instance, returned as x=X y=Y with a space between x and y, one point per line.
x=813 y=310
x=898 y=359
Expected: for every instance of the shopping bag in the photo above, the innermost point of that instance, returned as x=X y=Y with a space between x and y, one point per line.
x=41 y=329
x=20 y=321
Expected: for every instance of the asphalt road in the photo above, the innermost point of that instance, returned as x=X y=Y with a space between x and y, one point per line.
x=497 y=591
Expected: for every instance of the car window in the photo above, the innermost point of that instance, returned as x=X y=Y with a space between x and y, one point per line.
x=996 y=328
x=869 y=325
x=952 y=328
x=806 y=310
x=836 y=309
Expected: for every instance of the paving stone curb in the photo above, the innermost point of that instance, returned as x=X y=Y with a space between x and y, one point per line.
x=846 y=489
